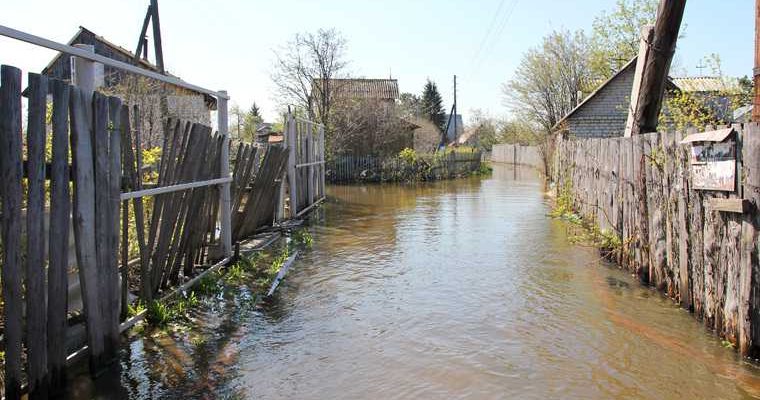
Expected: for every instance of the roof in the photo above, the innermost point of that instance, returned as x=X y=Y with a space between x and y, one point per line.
x=210 y=100
x=706 y=84
x=381 y=89
x=142 y=63
x=467 y=135
x=629 y=64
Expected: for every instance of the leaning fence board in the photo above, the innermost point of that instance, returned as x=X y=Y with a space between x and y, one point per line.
x=10 y=181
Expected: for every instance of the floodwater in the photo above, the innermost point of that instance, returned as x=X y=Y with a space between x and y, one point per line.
x=458 y=289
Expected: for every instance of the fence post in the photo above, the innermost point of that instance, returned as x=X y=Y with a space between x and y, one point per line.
x=225 y=219
x=323 y=166
x=291 y=145
x=310 y=160
x=87 y=75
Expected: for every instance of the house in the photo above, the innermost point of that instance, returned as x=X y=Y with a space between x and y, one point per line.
x=454 y=132
x=426 y=135
x=363 y=117
x=181 y=103
x=722 y=95
x=604 y=112
x=382 y=90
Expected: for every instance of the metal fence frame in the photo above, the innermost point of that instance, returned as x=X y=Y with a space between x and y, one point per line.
x=305 y=141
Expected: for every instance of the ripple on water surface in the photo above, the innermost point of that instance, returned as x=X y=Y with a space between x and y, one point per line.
x=459 y=289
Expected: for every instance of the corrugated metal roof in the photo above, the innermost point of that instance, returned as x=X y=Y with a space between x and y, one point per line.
x=381 y=89
x=706 y=84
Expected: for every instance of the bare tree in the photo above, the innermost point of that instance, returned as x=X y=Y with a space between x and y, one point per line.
x=305 y=68
x=369 y=127
x=546 y=84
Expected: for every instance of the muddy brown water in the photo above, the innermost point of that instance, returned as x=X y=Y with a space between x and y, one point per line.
x=458 y=289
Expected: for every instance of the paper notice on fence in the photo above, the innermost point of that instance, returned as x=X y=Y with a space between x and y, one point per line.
x=714 y=175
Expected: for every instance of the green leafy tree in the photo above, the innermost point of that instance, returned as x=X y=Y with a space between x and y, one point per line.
x=616 y=35
x=432 y=105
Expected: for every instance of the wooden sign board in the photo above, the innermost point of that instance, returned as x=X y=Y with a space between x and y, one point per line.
x=713 y=160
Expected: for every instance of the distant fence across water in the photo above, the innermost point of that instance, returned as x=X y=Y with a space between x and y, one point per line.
x=350 y=168
x=517 y=154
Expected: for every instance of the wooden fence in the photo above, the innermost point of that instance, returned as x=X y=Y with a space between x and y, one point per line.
x=350 y=168
x=305 y=141
x=256 y=188
x=684 y=241
x=518 y=155
x=136 y=236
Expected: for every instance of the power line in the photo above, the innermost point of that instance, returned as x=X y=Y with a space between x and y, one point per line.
x=495 y=39
x=489 y=30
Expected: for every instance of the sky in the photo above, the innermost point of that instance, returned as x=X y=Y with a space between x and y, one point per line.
x=230 y=44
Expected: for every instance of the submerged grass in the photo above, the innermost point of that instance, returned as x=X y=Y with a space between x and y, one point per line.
x=584 y=230
x=254 y=272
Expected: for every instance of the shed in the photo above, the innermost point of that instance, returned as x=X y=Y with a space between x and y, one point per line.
x=182 y=103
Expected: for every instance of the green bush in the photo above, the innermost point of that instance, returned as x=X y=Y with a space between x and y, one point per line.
x=408 y=155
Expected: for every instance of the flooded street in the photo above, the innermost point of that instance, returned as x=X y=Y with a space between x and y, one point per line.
x=458 y=289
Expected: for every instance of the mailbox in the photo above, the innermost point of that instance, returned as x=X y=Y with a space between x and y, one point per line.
x=712 y=160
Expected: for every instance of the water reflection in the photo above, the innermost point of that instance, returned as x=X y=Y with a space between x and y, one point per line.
x=458 y=289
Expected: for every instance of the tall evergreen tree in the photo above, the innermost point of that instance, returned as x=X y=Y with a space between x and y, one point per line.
x=432 y=105
x=254 y=110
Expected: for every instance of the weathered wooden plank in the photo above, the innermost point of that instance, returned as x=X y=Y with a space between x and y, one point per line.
x=749 y=304
x=657 y=212
x=696 y=245
x=670 y=207
x=112 y=289
x=103 y=220
x=10 y=182
x=684 y=241
x=36 y=312
x=130 y=167
x=60 y=217
x=734 y=205
x=640 y=149
x=84 y=225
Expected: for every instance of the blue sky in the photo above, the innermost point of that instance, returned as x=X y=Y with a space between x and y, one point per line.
x=228 y=44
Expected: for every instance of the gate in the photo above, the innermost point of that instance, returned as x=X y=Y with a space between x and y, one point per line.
x=306 y=164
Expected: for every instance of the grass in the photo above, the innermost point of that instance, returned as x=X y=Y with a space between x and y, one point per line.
x=159 y=314
x=303 y=237
x=257 y=270
x=586 y=231
x=135 y=308
x=485 y=169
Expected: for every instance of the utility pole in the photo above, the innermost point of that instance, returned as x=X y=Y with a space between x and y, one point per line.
x=656 y=65
x=142 y=43
x=756 y=71
x=455 y=106
x=452 y=117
